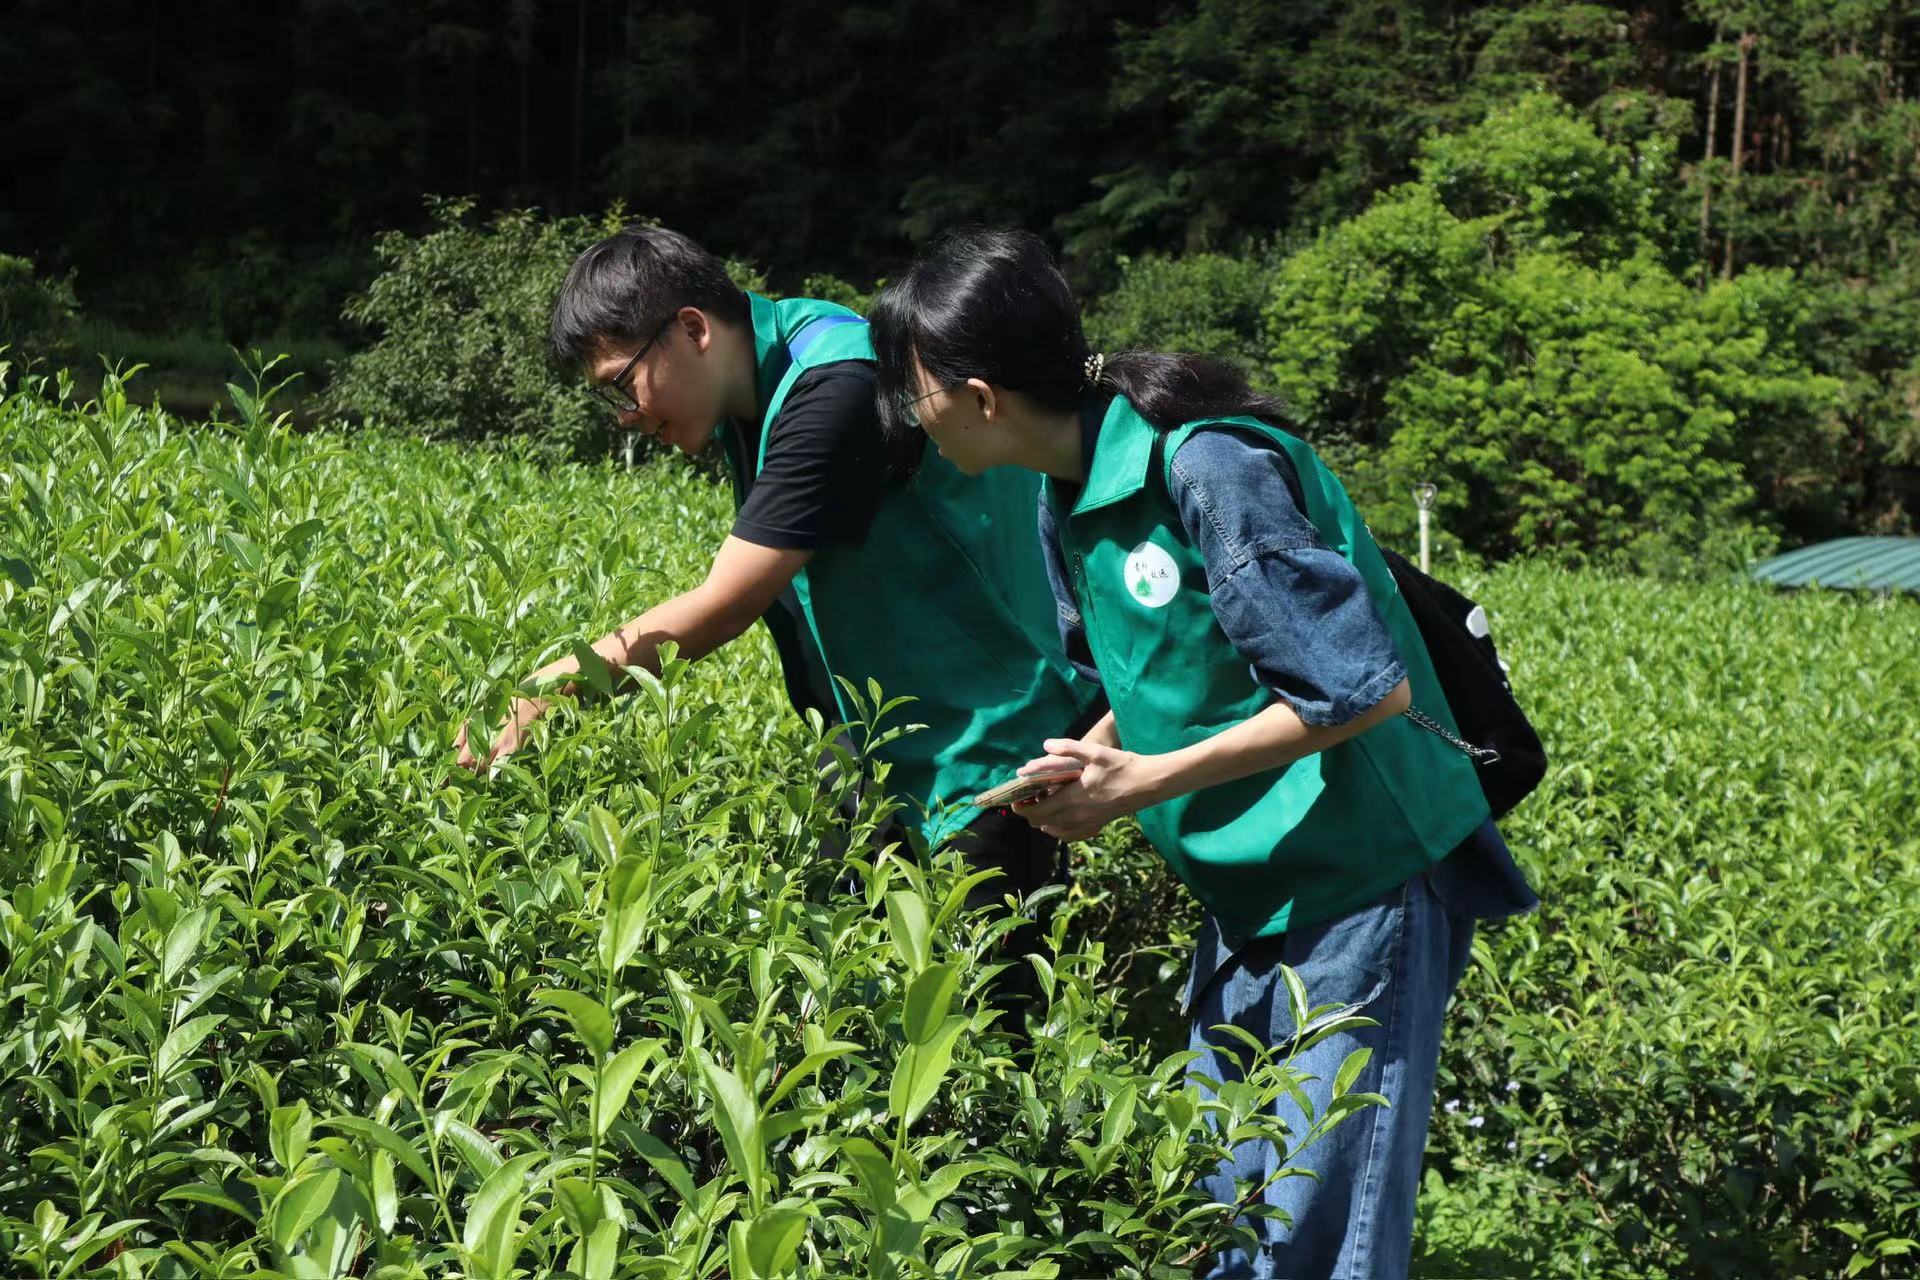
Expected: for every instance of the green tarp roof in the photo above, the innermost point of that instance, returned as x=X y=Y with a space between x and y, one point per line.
x=1883 y=564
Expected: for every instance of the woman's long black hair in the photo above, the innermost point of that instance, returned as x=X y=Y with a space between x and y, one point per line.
x=993 y=305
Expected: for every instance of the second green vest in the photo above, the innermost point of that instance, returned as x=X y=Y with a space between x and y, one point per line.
x=946 y=599
x=1289 y=847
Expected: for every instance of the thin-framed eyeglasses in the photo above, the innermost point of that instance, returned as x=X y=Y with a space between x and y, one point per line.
x=908 y=408
x=614 y=390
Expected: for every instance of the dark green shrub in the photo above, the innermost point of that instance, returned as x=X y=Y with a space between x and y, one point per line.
x=37 y=313
x=1482 y=329
x=459 y=315
x=834 y=289
x=1204 y=302
x=1535 y=175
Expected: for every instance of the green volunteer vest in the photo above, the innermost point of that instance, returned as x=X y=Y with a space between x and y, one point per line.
x=1290 y=847
x=946 y=600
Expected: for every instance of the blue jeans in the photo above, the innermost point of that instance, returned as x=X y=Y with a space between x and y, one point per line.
x=1398 y=960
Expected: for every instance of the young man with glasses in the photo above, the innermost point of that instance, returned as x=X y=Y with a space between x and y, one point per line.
x=867 y=559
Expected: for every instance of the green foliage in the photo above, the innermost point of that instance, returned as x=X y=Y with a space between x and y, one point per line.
x=187 y=372
x=290 y=994
x=249 y=288
x=1505 y=328
x=1696 y=1058
x=833 y=289
x=1204 y=302
x=1578 y=51
x=1243 y=117
x=37 y=313
x=1598 y=414
x=1864 y=331
x=1534 y=175
x=1825 y=186
x=1509 y=327
x=1116 y=127
x=460 y=315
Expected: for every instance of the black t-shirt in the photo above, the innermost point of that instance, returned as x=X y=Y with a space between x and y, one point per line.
x=826 y=472
x=826 y=467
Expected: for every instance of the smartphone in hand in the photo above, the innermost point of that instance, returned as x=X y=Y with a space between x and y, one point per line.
x=1030 y=787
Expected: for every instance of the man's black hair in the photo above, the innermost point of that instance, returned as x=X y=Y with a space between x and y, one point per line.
x=622 y=290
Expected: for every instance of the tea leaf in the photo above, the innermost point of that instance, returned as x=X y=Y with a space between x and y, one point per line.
x=922 y=1067
x=299 y=1205
x=907 y=921
x=386 y=1201
x=666 y=1163
x=183 y=941
x=588 y=1017
x=1350 y=1070
x=384 y=1138
x=288 y=1133
x=927 y=1001
x=593 y=669
x=181 y=1043
x=599 y=1253
x=616 y=1081
x=492 y=1225
x=773 y=1240
x=738 y=1119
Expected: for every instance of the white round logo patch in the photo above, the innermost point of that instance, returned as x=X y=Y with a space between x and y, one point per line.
x=1152 y=577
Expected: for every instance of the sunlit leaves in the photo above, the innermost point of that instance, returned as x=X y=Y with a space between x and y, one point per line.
x=293 y=993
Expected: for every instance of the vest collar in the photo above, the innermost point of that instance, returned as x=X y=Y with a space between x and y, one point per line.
x=770 y=359
x=1120 y=458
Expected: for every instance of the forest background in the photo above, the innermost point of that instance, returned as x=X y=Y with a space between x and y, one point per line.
x=1633 y=283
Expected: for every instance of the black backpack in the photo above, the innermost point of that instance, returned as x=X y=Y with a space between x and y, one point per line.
x=1506 y=751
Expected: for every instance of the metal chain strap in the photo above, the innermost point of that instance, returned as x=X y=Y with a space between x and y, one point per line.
x=1479 y=755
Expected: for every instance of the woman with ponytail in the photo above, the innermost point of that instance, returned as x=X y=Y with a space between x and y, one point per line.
x=1214 y=576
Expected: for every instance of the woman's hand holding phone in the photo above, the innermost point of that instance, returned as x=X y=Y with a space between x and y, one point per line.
x=1109 y=783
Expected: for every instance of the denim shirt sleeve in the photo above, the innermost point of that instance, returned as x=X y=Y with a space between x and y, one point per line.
x=1073 y=631
x=1297 y=611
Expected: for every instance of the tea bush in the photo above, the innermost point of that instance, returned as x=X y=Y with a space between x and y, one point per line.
x=283 y=991
x=286 y=994
x=1702 y=1049
x=458 y=318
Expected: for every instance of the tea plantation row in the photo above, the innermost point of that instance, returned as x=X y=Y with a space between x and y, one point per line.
x=287 y=994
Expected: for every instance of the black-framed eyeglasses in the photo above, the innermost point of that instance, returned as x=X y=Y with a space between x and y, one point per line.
x=614 y=390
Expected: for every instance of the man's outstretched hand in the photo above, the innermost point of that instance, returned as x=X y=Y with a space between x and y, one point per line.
x=741 y=586
x=513 y=733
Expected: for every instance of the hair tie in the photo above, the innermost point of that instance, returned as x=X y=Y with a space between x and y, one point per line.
x=1095 y=366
